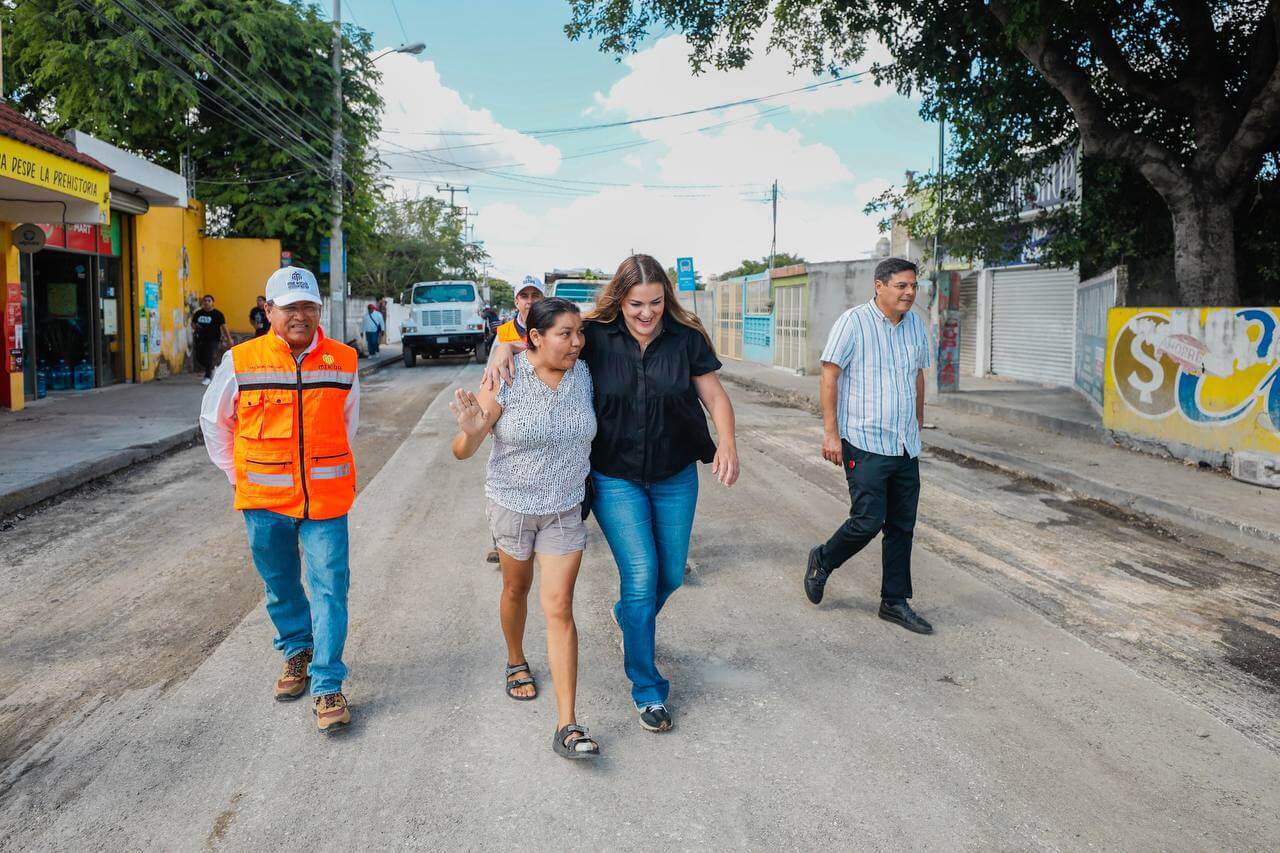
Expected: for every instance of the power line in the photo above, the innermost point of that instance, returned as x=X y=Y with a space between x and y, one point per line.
x=403 y=32
x=647 y=119
x=233 y=76
x=217 y=102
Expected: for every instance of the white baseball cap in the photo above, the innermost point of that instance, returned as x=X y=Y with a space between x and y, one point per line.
x=532 y=280
x=292 y=284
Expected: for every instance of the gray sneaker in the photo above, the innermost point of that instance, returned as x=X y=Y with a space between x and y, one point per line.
x=656 y=718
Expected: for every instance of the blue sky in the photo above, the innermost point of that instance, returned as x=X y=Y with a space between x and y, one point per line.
x=494 y=72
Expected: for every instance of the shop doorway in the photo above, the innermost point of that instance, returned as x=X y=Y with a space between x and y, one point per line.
x=62 y=291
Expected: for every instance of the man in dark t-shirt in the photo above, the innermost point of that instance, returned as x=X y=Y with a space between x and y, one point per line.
x=208 y=327
x=258 y=318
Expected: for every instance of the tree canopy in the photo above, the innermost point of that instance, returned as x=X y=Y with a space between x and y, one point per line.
x=1182 y=95
x=750 y=267
x=414 y=239
x=242 y=89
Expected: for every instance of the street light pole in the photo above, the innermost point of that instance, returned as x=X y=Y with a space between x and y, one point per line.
x=337 y=273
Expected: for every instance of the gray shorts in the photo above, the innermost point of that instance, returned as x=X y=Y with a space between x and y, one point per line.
x=522 y=535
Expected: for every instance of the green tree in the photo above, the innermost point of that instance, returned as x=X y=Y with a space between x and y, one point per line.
x=750 y=267
x=500 y=293
x=241 y=88
x=1184 y=93
x=414 y=239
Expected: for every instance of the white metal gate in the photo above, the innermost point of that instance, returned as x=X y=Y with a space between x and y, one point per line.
x=791 y=322
x=968 y=325
x=728 y=334
x=1033 y=325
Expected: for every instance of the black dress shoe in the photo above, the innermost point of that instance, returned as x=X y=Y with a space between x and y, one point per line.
x=815 y=577
x=900 y=613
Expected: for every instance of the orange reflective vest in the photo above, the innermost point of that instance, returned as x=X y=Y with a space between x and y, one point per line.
x=291 y=450
x=508 y=333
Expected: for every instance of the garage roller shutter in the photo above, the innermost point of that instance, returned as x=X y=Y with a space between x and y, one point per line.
x=1033 y=325
x=968 y=325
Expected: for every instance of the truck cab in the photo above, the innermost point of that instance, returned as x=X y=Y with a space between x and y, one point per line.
x=444 y=319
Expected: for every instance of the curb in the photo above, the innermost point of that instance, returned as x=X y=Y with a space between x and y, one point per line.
x=1074 y=429
x=1080 y=486
x=65 y=480
x=1085 y=487
x=86 y=472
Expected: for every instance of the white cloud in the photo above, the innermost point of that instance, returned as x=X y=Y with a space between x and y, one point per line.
x=417 y=100
x=601 y=229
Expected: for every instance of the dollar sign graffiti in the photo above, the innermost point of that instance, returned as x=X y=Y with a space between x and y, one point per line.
x=1144 y=389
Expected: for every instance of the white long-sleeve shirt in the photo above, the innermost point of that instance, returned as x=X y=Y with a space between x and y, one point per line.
x=218 y=412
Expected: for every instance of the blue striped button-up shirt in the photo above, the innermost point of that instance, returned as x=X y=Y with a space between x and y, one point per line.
x=878 y=364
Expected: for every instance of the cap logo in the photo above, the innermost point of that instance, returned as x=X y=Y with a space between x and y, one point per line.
x=531 y=280
x=298 y=282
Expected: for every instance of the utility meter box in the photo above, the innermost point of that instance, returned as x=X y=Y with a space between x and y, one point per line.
x=1261 y=469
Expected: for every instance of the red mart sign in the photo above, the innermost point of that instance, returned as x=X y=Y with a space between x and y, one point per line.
x=79 y=238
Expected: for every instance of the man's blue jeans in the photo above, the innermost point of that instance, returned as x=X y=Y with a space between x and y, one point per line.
x=647 y=526
x=319 y=624
x=371 y=338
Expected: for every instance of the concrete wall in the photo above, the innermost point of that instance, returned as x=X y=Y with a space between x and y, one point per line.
x=834 y=288
x=1199 y=382
x=236 y=272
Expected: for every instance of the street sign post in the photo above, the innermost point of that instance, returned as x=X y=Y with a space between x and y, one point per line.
x=685 y=274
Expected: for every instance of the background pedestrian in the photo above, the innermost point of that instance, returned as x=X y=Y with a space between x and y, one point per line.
x=872 y=408
x=374 y=326
x=258 y=317
x=209 y=329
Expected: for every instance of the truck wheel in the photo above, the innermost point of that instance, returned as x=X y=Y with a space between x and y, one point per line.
x=482 y=353
x=410 y=356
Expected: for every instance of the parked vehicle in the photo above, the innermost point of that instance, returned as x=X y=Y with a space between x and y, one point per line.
x=444 y=319
x=581 y=291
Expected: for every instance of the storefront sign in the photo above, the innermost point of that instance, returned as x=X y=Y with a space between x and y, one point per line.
x=80 y=238
x=30 y=165
x=29 y=238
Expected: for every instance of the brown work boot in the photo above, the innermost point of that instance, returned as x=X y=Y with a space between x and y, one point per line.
x=292 y=683
x=332 y=712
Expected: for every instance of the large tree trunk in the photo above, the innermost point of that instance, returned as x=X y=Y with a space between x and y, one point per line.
x=1204 y=249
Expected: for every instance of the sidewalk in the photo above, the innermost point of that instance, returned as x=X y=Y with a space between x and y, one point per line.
x=1047 y=435
x=70 y=438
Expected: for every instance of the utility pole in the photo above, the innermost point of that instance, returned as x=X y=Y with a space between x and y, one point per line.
x=451 y=189
x=941 y=194
x=337 y=274
x=773 y=247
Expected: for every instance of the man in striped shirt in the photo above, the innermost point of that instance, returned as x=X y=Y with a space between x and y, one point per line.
x=872 y=407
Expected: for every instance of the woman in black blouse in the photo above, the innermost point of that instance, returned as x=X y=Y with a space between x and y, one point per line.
x=653 y=370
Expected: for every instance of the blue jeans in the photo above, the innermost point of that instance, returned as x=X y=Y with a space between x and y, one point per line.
x=321 y=623
x=371 y=338
x=647 y=526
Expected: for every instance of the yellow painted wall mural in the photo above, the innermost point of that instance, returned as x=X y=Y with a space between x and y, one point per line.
x=1204 y=377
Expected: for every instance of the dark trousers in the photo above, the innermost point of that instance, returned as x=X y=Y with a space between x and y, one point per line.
x=205 y=350
x=884 y=492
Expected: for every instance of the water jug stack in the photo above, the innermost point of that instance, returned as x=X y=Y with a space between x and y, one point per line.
x=42 y=382
x=84 y=376
x=60 y=376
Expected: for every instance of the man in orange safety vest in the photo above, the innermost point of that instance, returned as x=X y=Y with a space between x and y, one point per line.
x=279 y=418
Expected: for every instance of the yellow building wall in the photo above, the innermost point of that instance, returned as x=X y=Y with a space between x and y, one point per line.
x=10 y=258
x=169 y=270
x=1204 y=377
x=235 y=274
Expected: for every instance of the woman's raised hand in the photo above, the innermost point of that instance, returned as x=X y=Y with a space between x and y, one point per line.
x=501 y=361
x=465 y=407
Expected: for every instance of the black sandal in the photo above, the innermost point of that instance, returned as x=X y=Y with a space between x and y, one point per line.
x=583 y=746
x=520 y=682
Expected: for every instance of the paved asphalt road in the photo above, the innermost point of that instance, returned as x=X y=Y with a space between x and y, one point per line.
x=1034 y=718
